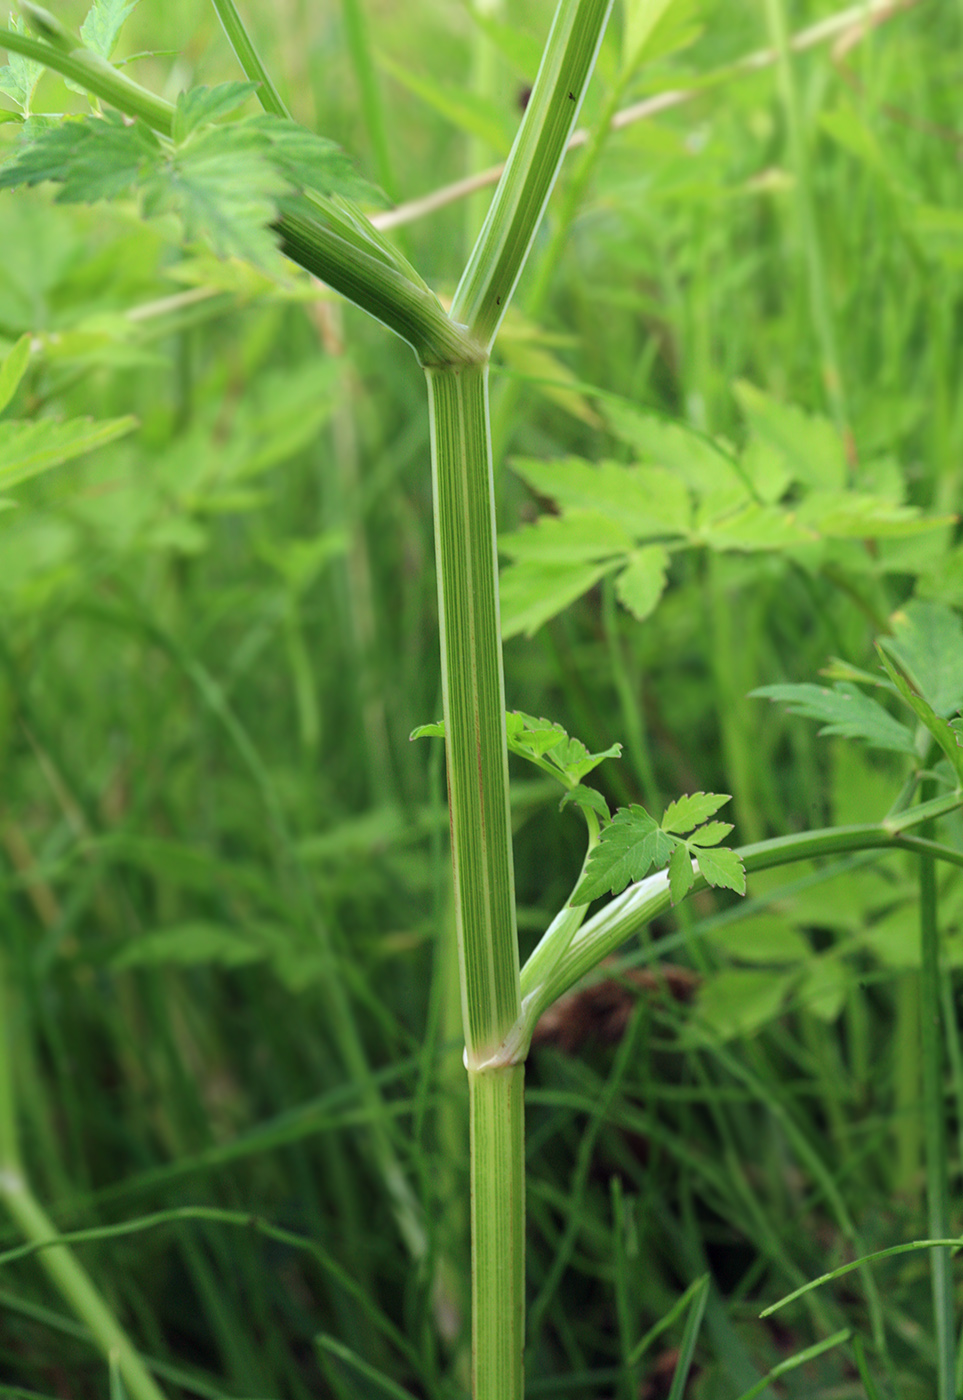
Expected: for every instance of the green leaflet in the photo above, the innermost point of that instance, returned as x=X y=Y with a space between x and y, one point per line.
x=12 y=370
x=105 y=19
x=843 y=710
x=642 y=582
x=927 y=641
x=27 y=449
x=810 y=446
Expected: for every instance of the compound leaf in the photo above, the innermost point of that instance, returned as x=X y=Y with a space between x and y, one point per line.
x=646 y=501
x=311 y=162
x=225 y=182
x=532 y=593
x=576 y=536
x=222 y=187
x=691 y=458
x=811 y=447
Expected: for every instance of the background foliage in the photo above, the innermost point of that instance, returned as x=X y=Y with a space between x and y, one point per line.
x=223 y=882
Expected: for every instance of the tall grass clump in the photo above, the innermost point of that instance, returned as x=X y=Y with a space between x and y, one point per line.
x=723 y=540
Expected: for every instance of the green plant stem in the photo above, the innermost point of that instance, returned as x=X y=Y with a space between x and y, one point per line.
x=726 y=645
x=9 y=1137
x=498 y=1231
x=484 y=81
x=637 y=906
x=540 y=286
x=97 y=76
x=498 y=257
x=249 y=58
x=411 y=311
x=934 y=1121
x=630 y=701
x=907 y=1123
x=473 y=692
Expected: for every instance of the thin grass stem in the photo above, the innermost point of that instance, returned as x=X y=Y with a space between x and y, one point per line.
x=934 y=1119
x=358 y=36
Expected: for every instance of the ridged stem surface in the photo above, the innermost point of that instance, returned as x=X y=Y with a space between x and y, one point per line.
x=473 y=689
x=498 y=1232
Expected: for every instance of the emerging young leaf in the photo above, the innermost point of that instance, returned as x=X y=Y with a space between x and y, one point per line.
x=546 y=745
x=532 y=737
x=566 y=758
x=590 y=799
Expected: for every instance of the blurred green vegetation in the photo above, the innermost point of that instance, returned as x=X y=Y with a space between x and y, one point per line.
x=223 y=877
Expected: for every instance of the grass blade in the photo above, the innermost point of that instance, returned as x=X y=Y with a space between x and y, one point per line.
x=697 y=1307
